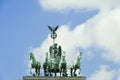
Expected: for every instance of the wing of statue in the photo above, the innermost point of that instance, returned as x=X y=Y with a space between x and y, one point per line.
x=56 y=28
x=50 y=28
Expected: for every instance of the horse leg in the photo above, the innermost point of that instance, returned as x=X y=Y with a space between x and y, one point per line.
x=44 y=71
x=55 y=74
x=79 y=70
x=36 y=71
x=30 y=70
x=75 y=71
x=65 y=72
x=50 y=74
x=39 y=71
x=60 y=72
x=71 y=70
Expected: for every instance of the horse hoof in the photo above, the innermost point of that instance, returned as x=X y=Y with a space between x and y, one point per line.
x=75 y=75
x=66 y=75
x=33 y=74
x=50 y=75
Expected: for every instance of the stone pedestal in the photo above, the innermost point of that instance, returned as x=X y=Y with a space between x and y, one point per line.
x=53 y=78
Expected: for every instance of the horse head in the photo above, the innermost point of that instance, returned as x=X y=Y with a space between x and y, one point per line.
x=79 y=56
x=31 y=55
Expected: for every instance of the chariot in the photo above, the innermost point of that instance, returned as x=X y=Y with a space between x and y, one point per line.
x=55 y=61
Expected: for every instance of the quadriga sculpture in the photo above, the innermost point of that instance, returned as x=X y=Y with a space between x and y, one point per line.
x=35 y=65
x=76 y=65
x=63 y=65
x=55 y=61
x=46 y=66
x=51 y=65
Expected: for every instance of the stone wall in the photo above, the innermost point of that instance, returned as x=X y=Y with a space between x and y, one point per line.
x=53 y=78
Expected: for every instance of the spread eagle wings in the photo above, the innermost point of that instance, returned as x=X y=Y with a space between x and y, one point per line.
x=53 y=29
x=50 y=28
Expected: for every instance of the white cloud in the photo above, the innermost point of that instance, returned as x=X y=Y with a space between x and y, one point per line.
x=104 y=30
x=103 y=74
x=70 y=40
x=106 y=72
x=118 y=72
x=62 y=5
x=108 y=34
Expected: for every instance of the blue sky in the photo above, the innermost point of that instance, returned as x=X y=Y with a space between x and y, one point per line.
x=23 y=24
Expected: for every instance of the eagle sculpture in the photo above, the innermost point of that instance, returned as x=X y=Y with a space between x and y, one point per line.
x=53 y=29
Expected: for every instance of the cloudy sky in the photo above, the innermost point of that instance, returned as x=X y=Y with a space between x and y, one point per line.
x=89 y=26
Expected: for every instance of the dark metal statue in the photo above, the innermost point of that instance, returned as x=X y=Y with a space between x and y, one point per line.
x=76 y=65
x=63 y=66
x=46 y=66
x=53 y=34
x=35 y=64
x=55 y=60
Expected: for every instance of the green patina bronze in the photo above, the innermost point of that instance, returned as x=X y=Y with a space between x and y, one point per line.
x=63 y=65
x=35 y=64
x=55 y=60
x=75 y=65
x=51 y=65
